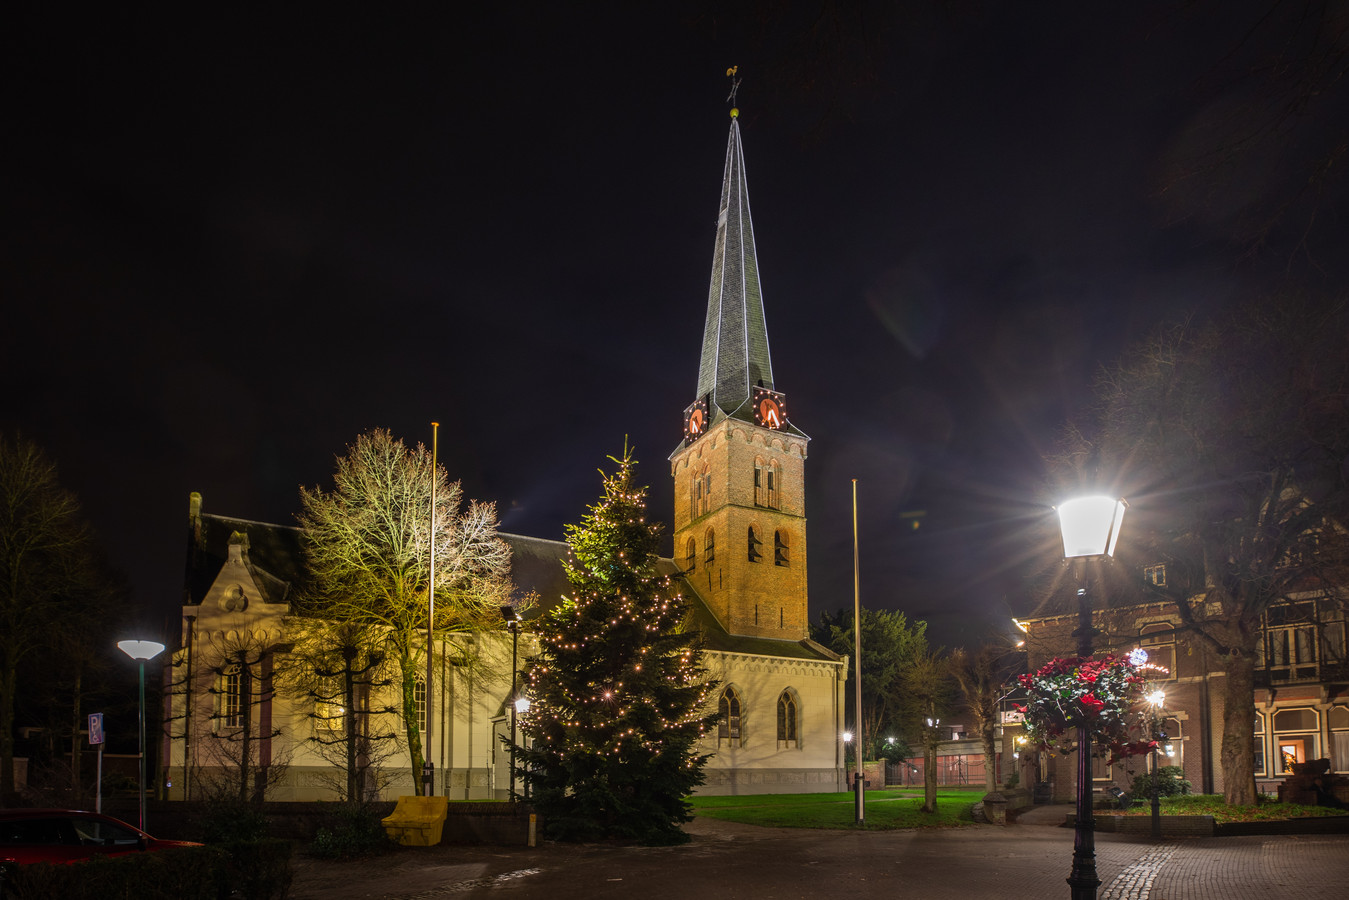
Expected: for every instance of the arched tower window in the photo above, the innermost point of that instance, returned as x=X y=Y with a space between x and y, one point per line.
x=781 y=548
x=729 y=707
x=419 y=702
x=754 y=553
x=691 y=555
x=774 y=485
x=705 y=491
x=787 y=716
x=767 y=482
x=710 y=547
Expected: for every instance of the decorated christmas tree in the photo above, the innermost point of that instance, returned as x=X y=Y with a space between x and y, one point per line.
x=618 y=693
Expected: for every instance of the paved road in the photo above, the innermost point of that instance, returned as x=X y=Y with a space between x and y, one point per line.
x=731 y=861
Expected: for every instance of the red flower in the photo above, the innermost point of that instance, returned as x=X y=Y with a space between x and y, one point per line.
x=1092 y=705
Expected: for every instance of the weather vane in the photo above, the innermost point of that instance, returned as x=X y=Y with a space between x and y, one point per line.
x=735 y=84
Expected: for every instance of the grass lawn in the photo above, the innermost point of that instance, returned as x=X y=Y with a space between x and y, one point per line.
x=884 y=810
x=1213 y=805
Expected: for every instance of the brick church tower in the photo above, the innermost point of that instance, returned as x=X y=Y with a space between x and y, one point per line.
x=739 y=474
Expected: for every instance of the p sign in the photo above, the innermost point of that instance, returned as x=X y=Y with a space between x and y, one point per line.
x=96 y=728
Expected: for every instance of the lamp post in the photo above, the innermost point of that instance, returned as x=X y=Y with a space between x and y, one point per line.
x=513 y=623
x=1156 y=700
x=141 y=651
x=1090 y=528
x=847 y=745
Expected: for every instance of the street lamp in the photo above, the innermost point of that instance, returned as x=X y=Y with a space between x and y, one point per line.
x=513 y=623
x=1157 y=699
x=847 y=745
x=1090 y=527
x=141 y=651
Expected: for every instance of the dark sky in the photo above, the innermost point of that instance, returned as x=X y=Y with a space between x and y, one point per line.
x=233 y=243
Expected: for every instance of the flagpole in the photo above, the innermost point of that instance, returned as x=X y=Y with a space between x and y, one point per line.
x=428 y=767
x=859 y=775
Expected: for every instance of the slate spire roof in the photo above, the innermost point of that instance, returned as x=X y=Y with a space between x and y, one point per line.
x=735 y=338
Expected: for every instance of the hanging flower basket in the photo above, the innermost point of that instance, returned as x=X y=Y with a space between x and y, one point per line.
x=1105 y=693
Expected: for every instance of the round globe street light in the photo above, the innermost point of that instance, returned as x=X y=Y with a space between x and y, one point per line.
x=1090 y=527
x=141 y=651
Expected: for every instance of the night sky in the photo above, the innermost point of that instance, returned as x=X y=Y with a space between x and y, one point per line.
x=233 y=243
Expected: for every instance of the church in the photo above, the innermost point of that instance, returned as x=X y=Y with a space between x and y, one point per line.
x=740 y=558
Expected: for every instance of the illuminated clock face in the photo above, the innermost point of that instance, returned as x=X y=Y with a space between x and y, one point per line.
x=695 y=420
x=770 y=409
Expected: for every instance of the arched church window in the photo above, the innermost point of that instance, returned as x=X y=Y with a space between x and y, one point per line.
x=729 y=707
x=774 y=483
x=754 y=553
x=787 y=718
x=760 y=484
x=691 y=555
x=419 y=702
x=781 y=548
x=710 y=547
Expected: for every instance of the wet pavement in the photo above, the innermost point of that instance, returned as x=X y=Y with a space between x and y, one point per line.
x=727 y=860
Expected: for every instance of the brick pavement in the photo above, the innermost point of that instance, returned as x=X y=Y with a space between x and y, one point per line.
x=741 y=861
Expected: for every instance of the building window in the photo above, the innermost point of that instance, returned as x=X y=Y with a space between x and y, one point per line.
x=709 y=547
x=419 y=703
x=1159 y=639
x=232 y=705
x=760 y=498
x=1290 y=641
x=1155 y=575
x=707 y=489
x=691 y=555
x=1101 y=769
x=1294 y=737
x=766 y=483
x=729 y=707
x=787 y=718
x=1259 y=743
x=329 y=715
x=1170 y=749
x=773 y=485
x=781 y=549
x=754 y=553
x=1339 y=738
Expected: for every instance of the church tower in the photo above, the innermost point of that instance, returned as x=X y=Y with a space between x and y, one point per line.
x=739 y=474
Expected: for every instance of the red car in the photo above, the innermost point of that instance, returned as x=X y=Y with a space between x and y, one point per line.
x=68 y=835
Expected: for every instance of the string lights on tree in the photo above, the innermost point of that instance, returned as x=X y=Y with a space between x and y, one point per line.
x=619 y=696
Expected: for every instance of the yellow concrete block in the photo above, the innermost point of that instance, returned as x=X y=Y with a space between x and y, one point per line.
x=417 y=821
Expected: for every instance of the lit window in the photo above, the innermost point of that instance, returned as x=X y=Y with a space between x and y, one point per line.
x=1339 y=738
x=1295 y=732
x=729 y=707
x=787 y=718
x=329 y=715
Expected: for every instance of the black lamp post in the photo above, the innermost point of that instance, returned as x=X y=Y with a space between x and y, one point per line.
x=1090 y=528
x=141 y=651
x=1156 y=699
x=513 y=623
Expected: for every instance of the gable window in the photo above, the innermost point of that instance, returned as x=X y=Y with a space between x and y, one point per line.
x=1155 y=575
x=781 y=549
x=787 y=718
x=729 y=707
x=754 y=553
x=709 y=547
x=232 y=704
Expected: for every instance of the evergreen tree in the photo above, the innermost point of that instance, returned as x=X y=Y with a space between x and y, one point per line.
x=618 y=692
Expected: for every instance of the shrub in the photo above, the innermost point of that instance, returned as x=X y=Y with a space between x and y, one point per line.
x=256 y=870
x=1170 y=783
x=355 y=830
x=187 y=873
x=225 y=822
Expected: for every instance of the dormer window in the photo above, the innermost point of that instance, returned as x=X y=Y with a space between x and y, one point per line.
x=1155 y=575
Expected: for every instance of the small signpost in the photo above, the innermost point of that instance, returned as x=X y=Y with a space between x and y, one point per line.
x=96 y=738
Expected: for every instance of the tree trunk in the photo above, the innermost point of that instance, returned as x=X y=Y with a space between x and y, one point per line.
x=412 y=726
x=929 y=777
x=986 y=737
x=7 y=679
x=246 y=709
x=1238 y=746
x=349 y=727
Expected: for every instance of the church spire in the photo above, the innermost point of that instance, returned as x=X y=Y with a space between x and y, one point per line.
x=735 y=356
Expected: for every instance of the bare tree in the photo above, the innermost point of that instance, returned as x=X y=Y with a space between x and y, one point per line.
x=45 y=570
x=928 y=691
x=981 y=677
x=368 y=545
x=339 y=672
x=245 y=760
x=1229 y=439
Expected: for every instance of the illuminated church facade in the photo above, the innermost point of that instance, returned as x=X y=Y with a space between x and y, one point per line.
x=740 y=556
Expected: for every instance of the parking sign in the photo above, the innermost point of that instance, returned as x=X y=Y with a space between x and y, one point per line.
x=96 y=728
